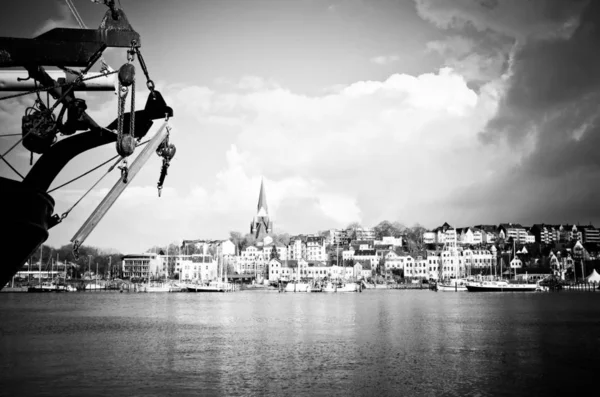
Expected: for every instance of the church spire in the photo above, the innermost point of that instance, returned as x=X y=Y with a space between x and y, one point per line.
x=261 y=224
x=262 y=209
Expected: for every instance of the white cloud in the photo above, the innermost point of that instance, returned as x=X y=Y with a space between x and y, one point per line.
x=365 y=152
x=385 y=59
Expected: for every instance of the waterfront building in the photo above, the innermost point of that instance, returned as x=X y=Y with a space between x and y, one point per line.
x=398 y=260
x=362 y=233
x=429 y=237
x=444 y=233
x=148 y=265
x=388 y=241
x=513 y=230
x=516 y=263
x=199 y=267
x=451 y=265
x=433 y=264
x=227 y=248
x=315 y=248
x=347 y=254
x=365 y=271
x=529 y=237
x=369 y=255
x=470 y=236
x=267 y=250
x=541 y=233
x=477 y=258
x=554 y=233
x=418 y=267
x=560 y=262
x=253 y=260
x=361 y=245
x=590 y=235
x=294 y=270
x=280 y=270
x=489 y=233
x=338 y=237
x=296 y=248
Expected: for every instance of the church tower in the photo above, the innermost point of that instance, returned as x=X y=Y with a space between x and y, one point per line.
x=261 y=224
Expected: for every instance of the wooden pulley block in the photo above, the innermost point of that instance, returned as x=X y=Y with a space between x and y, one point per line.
x=127 y=74
x=125 y=145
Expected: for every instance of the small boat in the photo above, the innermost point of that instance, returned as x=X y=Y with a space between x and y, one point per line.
x=501 y=286
x=213 y=286
x=454 y=285
x=342 y=287
x=93 y=287
x=49 y=287
x=157 y=287
x=297 y=287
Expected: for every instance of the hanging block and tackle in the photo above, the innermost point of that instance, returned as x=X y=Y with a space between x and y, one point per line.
x=118 y=188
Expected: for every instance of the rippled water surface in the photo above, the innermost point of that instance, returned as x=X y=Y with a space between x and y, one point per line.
x=375 y=343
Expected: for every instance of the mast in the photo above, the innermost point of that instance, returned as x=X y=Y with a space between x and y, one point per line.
x=40 y=264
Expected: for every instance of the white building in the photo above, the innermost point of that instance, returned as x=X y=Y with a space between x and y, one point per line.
x=227 y=248
x=389 y=240
x=198 y=267
x=296 y=249
x=429 y=237
x=315 y=248
x=144 y=266
x=477 y=258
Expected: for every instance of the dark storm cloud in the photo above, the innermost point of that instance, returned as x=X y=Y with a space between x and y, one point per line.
x=548 y=113
x=553 y=93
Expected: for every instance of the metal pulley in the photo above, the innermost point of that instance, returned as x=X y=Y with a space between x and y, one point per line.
x=127 y=74
x=39 y=130
x=167 y=151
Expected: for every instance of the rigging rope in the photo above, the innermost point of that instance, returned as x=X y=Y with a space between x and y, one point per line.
x=59 y=219
x=66 y=213
x=13 y=168
x=92 y=170
x=79 y=20
x=76 y=14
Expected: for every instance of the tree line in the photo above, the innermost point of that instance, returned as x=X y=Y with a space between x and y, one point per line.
x=88 y=257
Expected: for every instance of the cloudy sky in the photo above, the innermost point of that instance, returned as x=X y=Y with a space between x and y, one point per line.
x=465 y=111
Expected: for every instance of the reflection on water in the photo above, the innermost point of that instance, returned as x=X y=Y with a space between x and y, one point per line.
x=265 y=343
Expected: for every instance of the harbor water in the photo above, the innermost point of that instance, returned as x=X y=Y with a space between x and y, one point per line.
x=264 y=343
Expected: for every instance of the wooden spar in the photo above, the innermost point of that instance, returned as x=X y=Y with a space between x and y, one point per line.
x=9 y=81
x=96 y=216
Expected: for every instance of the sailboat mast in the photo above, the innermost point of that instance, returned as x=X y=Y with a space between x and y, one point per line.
x=40 y=264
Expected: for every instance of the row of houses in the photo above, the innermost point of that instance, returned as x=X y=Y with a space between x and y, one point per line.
x=422 y=265
x=490 y=234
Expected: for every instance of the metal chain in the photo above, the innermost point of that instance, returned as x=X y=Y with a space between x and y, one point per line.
x=40 y=89
x=132 y=115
